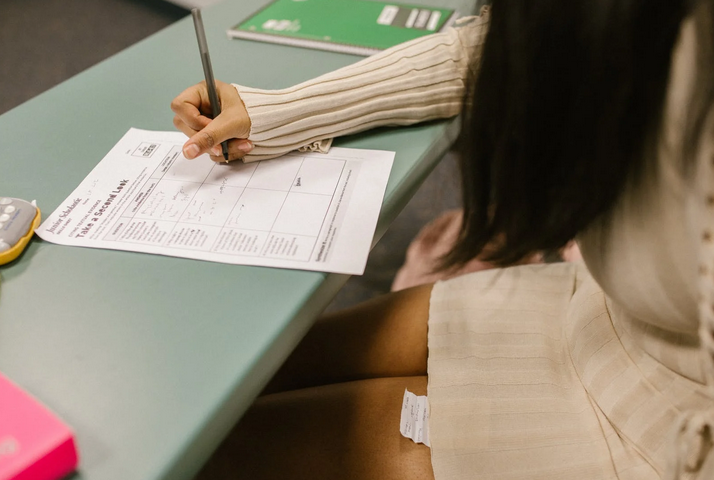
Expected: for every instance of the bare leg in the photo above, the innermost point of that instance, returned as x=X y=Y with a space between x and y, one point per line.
x=384 y=337
x=346 y=431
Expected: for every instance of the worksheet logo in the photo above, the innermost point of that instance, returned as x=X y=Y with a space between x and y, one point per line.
x=145 y=150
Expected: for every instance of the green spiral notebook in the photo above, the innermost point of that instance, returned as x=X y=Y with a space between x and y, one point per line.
x=359 y=27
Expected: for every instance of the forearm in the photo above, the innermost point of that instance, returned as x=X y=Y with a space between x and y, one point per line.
x=413 y=82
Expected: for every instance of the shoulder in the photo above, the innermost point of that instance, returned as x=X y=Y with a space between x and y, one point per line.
x=522 y=278
x=541 y=291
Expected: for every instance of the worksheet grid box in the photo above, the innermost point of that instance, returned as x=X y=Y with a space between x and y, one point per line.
x=289 y=198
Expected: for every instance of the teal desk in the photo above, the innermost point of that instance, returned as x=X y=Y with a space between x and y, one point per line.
x=152 y=359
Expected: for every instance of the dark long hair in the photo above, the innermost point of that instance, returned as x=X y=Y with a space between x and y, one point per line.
x=565 y=107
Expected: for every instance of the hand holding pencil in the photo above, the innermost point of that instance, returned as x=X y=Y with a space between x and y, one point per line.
x=193 y=117
x=198 y=112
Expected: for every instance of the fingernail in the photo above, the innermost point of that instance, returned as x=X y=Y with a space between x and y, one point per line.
x=245 y=147
x=216 y=151
x=191 y=151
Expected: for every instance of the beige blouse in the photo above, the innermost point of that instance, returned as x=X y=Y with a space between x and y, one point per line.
x=593 y=371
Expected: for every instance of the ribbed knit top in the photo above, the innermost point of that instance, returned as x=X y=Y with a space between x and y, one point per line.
x=417 y=81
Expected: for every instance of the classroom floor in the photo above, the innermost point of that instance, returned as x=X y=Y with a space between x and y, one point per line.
x=44 y=42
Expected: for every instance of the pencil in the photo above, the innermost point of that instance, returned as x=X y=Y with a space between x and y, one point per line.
x=208 y=71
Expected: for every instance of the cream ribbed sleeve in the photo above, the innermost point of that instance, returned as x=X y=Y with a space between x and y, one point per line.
x=412 y=82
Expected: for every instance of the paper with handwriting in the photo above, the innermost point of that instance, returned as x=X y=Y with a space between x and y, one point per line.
x=309 y=211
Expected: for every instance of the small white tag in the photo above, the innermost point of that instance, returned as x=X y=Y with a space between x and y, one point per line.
x=414 y=422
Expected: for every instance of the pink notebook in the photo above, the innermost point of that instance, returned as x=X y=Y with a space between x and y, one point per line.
x=34 y=443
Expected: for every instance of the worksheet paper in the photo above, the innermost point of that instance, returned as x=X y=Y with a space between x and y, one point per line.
x=309 y=211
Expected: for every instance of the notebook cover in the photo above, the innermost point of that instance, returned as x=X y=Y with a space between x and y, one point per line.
x=34 y=443
x=361 y=27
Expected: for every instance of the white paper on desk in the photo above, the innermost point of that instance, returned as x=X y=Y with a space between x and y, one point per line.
x=309 y=211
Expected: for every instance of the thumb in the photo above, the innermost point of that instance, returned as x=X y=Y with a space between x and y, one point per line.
x=213 y=134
